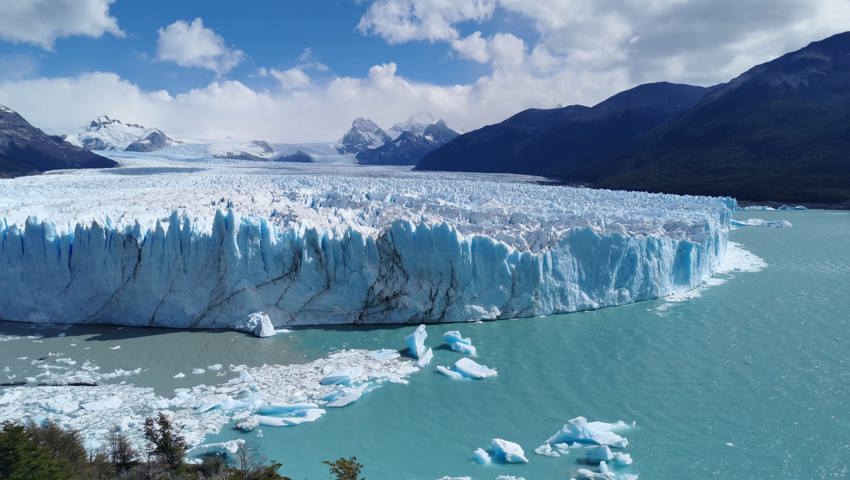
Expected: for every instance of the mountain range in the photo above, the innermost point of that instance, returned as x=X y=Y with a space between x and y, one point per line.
x=406 y=144
x=25 y=149
x=779 y=132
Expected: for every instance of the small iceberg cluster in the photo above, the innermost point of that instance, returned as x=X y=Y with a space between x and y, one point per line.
x=599 y=441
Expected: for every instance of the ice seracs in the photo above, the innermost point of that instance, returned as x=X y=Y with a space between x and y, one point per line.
x=210 y=247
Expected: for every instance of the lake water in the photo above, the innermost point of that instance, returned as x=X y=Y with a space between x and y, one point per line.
x=748 y=380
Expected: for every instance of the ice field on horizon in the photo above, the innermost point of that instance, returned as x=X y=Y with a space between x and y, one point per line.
x=170 y=239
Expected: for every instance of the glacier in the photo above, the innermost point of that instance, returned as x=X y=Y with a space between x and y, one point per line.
x=219 y=245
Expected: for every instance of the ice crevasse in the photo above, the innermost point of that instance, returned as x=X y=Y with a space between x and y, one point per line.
x=406 y=270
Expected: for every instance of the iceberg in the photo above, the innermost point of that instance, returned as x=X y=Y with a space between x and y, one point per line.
x=599 y=453
x=547 y=451
x=481 y=456
x=760 y=222
x=215 y=248
x=416 y=342
x=344 y=376
x=258 y=324
x=508 y=452
x=579 y=430
x=622 y=459
x=471 y=369
x=459 y=344
x=425 y=359
x=450 y=373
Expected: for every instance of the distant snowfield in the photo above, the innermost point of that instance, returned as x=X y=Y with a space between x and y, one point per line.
x=173 y=239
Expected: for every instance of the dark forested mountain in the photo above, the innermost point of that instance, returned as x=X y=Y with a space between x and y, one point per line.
x=780 y=131
x=25 y=149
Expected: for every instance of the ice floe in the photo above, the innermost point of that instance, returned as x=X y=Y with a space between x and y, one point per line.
x=507 y=452
x=273 y=395
x=481 y=456
x=760 y=222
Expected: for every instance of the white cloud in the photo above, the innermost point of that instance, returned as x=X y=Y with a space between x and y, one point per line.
x=400 y=21
x=289 y=79
x=42 y=22
x=696 y=41
x=193 y=45
x=473 y=47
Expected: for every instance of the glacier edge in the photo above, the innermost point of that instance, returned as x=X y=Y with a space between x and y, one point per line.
x=174 y=275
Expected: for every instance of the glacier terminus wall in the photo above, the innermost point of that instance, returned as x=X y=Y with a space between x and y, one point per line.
x=207 y=249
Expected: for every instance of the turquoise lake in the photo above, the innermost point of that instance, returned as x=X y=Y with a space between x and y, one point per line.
x=750 y=379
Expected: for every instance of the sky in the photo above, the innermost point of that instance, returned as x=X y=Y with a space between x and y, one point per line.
x=302 y=70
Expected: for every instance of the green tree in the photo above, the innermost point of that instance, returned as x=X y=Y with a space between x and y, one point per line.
x=165 y=442
x=345 y=468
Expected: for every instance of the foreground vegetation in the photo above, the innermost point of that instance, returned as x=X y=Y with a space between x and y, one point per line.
x=48 y=452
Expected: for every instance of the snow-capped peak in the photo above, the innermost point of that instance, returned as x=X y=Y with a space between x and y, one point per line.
x=363 y=135
x=5 y=109
x=105 y=133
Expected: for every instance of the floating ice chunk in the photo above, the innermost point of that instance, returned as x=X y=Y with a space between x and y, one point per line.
x=285 y=409
x=215 y=368
x=585 y=474
x=425 y=359
x=108 y=403
x=303 y=416
x=344 y=397
x=622 y=459
x=198 y=371
x=508 y=452
x=598 y=453
x=481 y=456
x=248 y=424
x=471 y=369
x=579 y=430
x=760 y=222
x=547 y=451
x=384 y=354
x=509 y=477
x=230 y=447
x=61 y=404
x=454 y=478
x=416 y=341
x=180 y=375
x=116 y=347
x=459 y=344
x=450 y=373
x=345 y=376
x=258 y=324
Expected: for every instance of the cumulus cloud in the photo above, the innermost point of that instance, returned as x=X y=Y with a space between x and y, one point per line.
x=42 y=22
x=193 y=45
x=289 y=79
x=697 y=41
x=400 y=21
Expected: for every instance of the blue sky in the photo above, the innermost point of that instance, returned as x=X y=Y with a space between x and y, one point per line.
x=301 y=70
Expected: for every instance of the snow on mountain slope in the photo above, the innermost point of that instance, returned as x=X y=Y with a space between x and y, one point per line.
x=106 y=133
x=206 y=247
x=253 y=150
